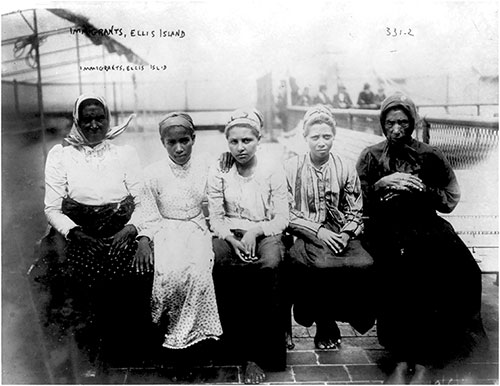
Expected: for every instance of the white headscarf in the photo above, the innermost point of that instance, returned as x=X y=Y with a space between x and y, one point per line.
x=76 y=137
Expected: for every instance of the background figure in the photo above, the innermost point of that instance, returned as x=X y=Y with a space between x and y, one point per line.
x=429 y=285
x=183 y=299
x=282 y=104
x=322 y=97
x=248 y=213
x=91 y=202
x=342 y=100
x=327 y=259
x=366 y=98
x=305 y=98
x=379 y=97
x=294 y=91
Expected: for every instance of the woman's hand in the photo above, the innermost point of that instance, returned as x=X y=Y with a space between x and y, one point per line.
x=143 y=259
x=122 y=238
x=226 y=161
x=79 y=237
x=337 y=242
x=249 y=240
x=239 y=248
x=400 y=181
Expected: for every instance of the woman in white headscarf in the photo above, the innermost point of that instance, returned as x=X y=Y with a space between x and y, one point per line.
x=91 y=192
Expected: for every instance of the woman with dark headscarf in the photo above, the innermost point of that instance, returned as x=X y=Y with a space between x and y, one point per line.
x=429 y=283
x=91 y=192
x=248 y=213
x=183 y=299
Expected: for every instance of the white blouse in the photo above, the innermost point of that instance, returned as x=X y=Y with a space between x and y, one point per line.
x=173 y=192
x=93 y=176
x=237 y=202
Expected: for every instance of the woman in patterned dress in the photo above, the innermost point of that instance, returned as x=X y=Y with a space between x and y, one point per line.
x=91 y=203
x=183 y=299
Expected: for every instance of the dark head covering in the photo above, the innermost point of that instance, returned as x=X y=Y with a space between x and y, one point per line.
x=246 y=117
x=176 y=119
x=76 y=137
x=389 y=158
x=399 y=101
x=319 y=114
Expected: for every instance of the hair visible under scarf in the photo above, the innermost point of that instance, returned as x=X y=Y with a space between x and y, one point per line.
x=77 y=138
x=319 y=114
x=176 y=119
x=250 y=118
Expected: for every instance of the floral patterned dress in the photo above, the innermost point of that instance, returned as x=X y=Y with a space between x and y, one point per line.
x=183 y=298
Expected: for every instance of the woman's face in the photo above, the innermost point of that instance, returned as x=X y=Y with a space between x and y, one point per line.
x=93 y=123
x=179 y=144
x=319 y=137
x=397 y=127
x=242 y=143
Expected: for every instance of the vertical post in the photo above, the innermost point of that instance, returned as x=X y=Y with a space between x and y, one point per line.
x=478 y=106
x=447 y=93
x=104 y=73
x=186 y=95
x=16 y=97
x=114 y=103
x=78 y=63
x=39 y=86
x=136 y=99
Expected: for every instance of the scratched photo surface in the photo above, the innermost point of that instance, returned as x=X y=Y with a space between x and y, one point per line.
x=209 y=58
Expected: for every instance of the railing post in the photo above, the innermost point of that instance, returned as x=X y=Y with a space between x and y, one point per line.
x=426 y=132
x=16 y=96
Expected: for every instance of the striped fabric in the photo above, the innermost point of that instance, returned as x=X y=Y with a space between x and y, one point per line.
x=330 y=195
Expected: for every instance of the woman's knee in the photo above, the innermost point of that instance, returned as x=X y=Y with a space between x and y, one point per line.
x=271 y=251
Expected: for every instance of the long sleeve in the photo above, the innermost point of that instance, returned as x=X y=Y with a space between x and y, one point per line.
x=445 y=194
x=351 y=204
x=133 y=181
x=279 y=204
x=366 y=167
x=215 y=193
x=56 y=184
x=148 y=213
x=299 y=223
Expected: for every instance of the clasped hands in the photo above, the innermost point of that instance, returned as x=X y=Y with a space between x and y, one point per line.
x=119 y=241
x=337 y=242
x=246 y=247
x=143 y=259
x=400 y=182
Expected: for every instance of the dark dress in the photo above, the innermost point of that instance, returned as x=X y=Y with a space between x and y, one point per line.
x=429 y=285
x=95 y=297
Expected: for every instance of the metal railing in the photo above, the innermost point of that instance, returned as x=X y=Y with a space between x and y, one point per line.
x=465 y=140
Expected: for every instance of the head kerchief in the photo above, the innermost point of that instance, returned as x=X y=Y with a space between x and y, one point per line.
x=250 y=118
x=76 y=136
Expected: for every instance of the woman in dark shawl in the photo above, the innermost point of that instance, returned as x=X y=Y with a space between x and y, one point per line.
x=429 y=283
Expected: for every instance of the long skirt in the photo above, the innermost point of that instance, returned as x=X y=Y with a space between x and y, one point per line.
x=429 y=290
x=183 y=300
x=97 y=298
x=325 y=288
x=248 y=295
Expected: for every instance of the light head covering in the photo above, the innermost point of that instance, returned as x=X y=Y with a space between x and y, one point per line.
x=403 y=102
x=319 y=114
x=246 y=117
x=76 y=136
x=176 y=119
